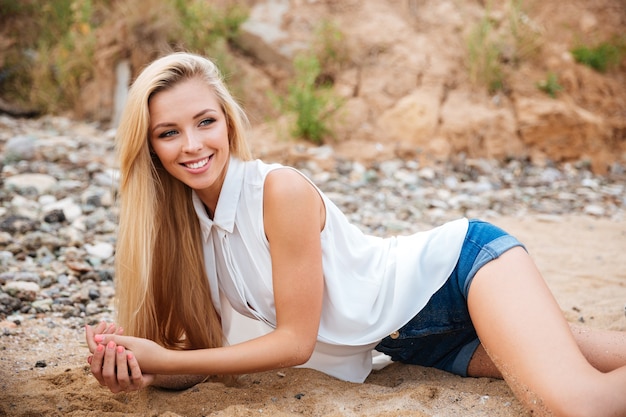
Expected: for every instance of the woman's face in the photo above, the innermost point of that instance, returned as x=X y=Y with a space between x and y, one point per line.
x=189 y=134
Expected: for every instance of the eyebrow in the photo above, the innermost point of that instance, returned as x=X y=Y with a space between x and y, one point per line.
x=200 y=113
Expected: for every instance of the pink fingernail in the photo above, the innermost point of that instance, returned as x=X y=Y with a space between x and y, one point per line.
x=129 y=356
x=100 y=348
x=98 y=338
x=111 y=345
x=120 y=349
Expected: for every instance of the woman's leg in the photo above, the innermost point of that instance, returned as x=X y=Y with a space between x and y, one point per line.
x=604 y=349
x=524 y=332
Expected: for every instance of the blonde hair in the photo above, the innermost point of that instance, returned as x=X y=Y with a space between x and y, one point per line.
x=162 y=290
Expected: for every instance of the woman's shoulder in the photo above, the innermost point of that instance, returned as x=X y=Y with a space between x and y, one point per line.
x=257 y=168
x=257 y=172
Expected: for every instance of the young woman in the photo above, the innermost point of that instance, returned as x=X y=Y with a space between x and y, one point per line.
x=207 y=234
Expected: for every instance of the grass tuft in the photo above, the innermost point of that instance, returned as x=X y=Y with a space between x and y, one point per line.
x=601 y=57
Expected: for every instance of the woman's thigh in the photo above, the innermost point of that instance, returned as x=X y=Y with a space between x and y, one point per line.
x=526 y=335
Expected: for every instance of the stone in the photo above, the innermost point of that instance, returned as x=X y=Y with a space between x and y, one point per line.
x=262 y=34
x=22 y=147
x=414 y=118
x=484 y=131
x=560 y=130
x=25 y=291
x=100 y=250
x=42 y=183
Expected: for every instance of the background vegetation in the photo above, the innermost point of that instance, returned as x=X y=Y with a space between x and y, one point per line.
x=54 y=42
x=49 y=51
x=54 y=45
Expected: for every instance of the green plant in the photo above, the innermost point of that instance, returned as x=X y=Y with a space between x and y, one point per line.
x=312 y=103
x=524 y=33
x=310 y=97
x=496 y=44
x=600 y=57
x=550 y=85
x=10 y=8
x=484 y=56
x=52 y=58
x=54 y=42
x=209 y=30
x=202 y=24
x=329 y=47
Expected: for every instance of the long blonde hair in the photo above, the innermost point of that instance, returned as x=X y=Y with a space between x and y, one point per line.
x=162 y=291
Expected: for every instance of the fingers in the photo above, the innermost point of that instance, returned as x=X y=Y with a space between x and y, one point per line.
x=116 y=368
x=136 y=377
x=96 y=362
x=109 y=372
x=112 y=365
x=90 y=332
x=101 y=329
x=116 y=337
x=123 y=377
x=113 y=329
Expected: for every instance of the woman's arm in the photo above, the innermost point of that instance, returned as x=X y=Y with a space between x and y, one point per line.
x=293 y=218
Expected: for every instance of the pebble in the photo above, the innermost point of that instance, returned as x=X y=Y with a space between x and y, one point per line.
x=58 y=216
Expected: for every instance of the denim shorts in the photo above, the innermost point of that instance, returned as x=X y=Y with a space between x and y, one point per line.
x=442 y=335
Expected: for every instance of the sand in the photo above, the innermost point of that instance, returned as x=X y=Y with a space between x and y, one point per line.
x=582 y=259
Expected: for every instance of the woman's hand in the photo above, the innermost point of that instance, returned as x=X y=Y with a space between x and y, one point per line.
x=112 y=364
x=101 y=328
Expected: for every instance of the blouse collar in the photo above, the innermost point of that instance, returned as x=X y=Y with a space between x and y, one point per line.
x=227 y=202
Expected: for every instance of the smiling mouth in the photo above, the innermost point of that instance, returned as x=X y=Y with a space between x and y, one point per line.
x=197 y=164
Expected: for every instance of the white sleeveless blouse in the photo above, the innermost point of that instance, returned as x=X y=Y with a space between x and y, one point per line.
x=373 y=286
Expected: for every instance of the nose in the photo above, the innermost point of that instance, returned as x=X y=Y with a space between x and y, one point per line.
x=192 y=143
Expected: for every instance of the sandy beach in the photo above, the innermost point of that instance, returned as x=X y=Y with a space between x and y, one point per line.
x=580 y=256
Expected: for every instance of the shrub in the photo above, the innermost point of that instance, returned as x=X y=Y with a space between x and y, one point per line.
x=600 y=57
x=52 y=59
x=494 y=45
x=310 y=97
x=308 y=100
x=550 y=85
x=484 y=56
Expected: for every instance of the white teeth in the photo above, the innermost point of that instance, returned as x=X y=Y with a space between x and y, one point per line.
x=198 y=164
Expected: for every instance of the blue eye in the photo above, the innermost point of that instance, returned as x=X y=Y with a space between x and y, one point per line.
x=206 y=122
x=167 y=133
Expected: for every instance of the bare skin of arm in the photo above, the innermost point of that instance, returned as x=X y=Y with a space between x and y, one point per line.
x=291 y=204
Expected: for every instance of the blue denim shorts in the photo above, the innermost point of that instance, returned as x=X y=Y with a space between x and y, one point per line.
x=442 y=335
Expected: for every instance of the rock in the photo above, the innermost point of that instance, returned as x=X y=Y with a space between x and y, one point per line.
x=100 y=250
x=42 y=183
x=71 y=211
x=6 y=324
x=25 y=291
x=594 y=210
x=54 y=216
x=18 y=224
x=109 y=178
x=487 y=131
x=20 y=148
x=414 y=118
x=561 y=130
x=8 y=304
x=42 y=306
x=262 y=34
x=58 y=148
